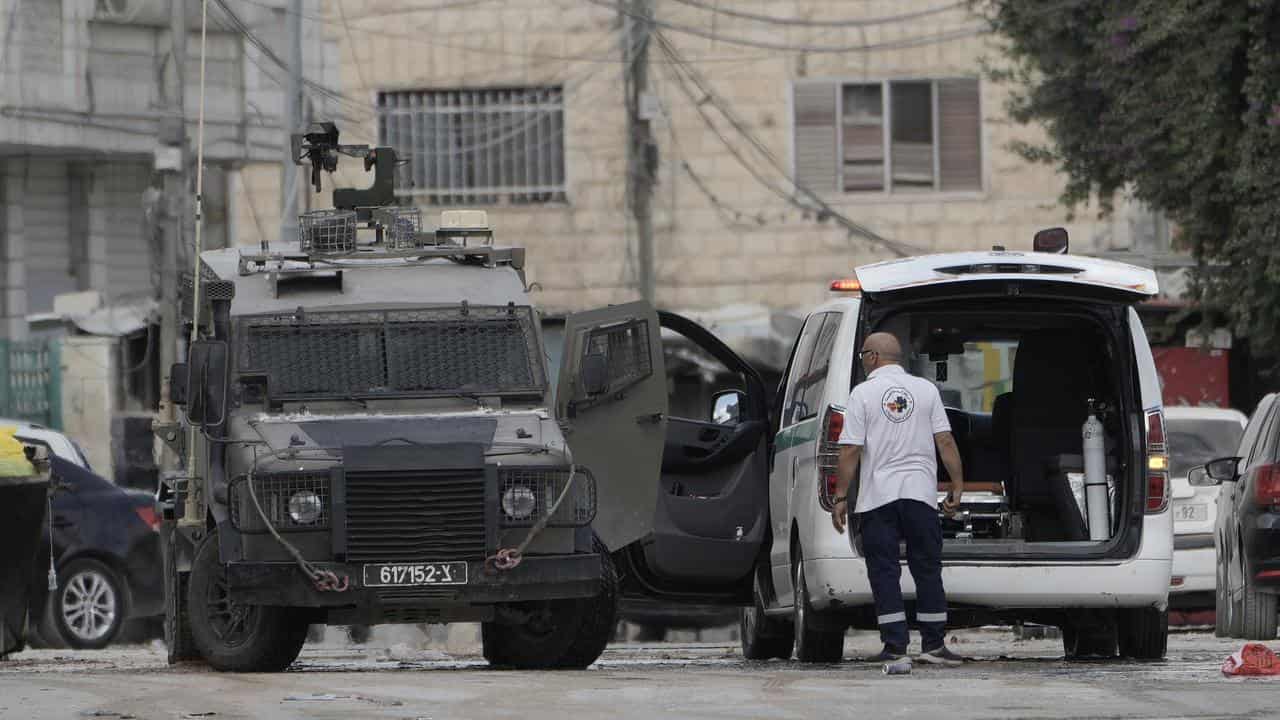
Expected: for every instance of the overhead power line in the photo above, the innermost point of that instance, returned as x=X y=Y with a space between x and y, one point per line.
x=803 y=196
x=809 y=22
x=899 y=44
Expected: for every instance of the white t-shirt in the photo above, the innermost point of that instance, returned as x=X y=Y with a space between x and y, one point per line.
x=893 y=416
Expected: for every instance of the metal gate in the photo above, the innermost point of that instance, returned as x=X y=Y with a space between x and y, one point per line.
x=30 y=382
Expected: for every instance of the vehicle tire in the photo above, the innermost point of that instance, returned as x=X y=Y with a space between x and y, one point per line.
x=814 y=644
x=1221 y=599
x=42 y=631
x=1258 y=613
x=89 y=605
x=764 y=637
x=1233 y=594
x=540 y=642
x=232 y=636
x=1086 y=638
x=1144 y=633
x=177 y=622
x=599 y=614
x=359 y=634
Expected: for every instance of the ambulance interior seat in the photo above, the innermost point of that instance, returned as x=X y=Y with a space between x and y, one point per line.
x=1051 y=388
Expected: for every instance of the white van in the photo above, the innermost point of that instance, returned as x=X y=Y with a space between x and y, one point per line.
x=1023 y=347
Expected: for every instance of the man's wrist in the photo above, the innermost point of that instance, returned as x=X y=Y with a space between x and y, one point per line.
x=839 y=499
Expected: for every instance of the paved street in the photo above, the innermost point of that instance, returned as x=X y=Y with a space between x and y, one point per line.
x=1019 y=679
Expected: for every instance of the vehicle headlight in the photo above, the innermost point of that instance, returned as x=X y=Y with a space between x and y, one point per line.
x=519 y=502
x=305 y=507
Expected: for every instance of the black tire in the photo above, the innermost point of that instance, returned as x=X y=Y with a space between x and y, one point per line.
x=42 y=632
x=599 y=615
x=235 y=637
x=177 y=623
x=359 y=634
x=1221 y=599
x=89 y=606
x=1088 y=638
x=1144 y=633
x=813 y=642
x=1258 y=613
x=764 y=637
x=539 y=643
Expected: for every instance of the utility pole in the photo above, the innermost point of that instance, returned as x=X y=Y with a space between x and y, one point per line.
x=642 y=152
x=171 y=161
x=290 y=124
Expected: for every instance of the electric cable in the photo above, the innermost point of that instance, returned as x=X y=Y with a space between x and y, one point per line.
x=808 y=22
x=900 y=44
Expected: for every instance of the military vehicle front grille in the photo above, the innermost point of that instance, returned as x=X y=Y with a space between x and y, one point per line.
x=415 y=516
x=398 y=597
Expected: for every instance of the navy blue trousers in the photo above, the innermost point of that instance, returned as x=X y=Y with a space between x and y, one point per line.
x=882 y=529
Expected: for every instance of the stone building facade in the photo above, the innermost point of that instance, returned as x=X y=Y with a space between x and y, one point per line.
x=519 y=108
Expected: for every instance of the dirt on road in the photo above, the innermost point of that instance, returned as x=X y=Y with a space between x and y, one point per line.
x=405 y=680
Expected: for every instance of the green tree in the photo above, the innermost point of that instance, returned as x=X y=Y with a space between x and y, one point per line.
x=1176 y=101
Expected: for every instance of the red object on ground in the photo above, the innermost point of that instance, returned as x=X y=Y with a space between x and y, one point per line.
x=1192 y=376
x=1252 y=660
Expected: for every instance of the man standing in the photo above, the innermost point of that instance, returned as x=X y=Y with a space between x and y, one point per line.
x=894 y=423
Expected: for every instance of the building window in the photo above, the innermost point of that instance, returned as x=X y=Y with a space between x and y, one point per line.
x=895 y=136
x=468 y=147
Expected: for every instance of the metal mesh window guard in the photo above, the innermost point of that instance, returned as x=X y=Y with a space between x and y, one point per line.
x=273 y=491
x=577 y=510
x=394 y=353
x=626 y=350
x=467 y=147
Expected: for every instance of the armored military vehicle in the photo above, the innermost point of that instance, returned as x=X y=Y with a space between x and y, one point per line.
x=370 y=435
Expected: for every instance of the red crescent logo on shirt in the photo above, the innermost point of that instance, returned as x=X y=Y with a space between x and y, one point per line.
x=897 y=404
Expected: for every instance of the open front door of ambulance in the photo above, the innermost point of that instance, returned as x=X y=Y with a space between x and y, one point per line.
x=612 y=403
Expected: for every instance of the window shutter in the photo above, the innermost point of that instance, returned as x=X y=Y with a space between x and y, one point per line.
x=815 y=135
x=960 y=131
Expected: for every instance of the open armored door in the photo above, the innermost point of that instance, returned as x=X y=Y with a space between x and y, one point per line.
x=612 y=403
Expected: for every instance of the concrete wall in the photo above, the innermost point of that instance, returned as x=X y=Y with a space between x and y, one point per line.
x=754 y=246
x=90 y=396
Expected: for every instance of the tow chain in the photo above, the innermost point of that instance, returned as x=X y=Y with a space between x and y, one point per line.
x=509 y=558
x=322 y=580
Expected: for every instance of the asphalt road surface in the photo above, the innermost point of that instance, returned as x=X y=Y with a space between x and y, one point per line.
x=386 y=679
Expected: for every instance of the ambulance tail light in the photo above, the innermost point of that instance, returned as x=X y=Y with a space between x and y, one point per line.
x=1157 y=464
x=829 y=454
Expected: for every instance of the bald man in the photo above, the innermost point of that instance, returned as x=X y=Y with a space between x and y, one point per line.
x=895 y=426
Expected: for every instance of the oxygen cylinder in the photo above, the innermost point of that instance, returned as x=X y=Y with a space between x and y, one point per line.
x=1095 y=476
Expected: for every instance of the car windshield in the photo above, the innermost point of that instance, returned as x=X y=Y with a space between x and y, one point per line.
x=1196 y=441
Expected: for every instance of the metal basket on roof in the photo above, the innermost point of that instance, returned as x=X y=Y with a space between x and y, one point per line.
x=400 y=227
x=328 y=232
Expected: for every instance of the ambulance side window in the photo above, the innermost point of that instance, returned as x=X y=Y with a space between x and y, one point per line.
x=794 y=408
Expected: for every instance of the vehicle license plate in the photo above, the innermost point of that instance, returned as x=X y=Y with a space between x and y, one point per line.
x=400 y=574
x=1191 y=513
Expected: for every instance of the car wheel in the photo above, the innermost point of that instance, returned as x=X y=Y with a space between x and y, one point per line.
x=764 y=637
x=89 y=605
x=1144 y=633
x=538 y=641
x=1221 y=618
x=177 y=621
x=1086 y=636
x=1235 y=604
x=814 y=644
x=233 y=636
x=599 y=615
x=1258 y=613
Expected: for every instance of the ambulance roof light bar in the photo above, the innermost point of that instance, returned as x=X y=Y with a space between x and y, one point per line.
x=849 y=285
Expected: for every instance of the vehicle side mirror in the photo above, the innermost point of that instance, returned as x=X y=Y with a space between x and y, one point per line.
x=594 y=374
x=1199 y=477
x=207 y=372
x=178 y=384
x=727 y=408
x=1222 y=470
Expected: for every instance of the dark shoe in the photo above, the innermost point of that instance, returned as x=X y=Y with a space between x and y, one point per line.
x=887 y=655
x=941 y=656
